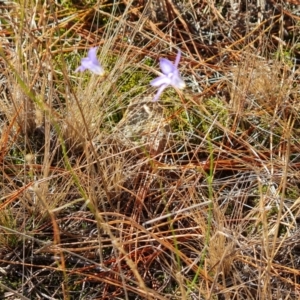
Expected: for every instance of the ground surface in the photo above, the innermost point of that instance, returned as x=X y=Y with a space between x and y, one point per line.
x=107 y=195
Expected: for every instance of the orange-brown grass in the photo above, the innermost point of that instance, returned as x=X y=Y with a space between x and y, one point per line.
x=86 y=214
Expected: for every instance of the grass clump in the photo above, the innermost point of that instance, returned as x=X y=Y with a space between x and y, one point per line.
x=106 y=194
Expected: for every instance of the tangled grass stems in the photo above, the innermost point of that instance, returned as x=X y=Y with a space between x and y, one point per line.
x=105 y=194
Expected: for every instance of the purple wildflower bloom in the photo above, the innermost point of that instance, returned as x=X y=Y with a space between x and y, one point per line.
x=170 y=76
x=91 y=63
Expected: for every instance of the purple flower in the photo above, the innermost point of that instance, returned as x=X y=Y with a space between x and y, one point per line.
x=170 y=76
x=91 y=63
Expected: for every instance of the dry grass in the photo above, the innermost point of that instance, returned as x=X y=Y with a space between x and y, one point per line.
x=90 y=208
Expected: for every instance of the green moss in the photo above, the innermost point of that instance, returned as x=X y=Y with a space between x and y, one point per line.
x=285 y=56
x=292 y=192
x=130 y=84
x=194 y=118
x=16 y=157
x=148 y=62
x=8 y=239
x=218 y=110
x=73 y=4
x=272 y=212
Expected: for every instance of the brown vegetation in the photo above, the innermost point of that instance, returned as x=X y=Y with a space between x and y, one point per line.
x=105 y=195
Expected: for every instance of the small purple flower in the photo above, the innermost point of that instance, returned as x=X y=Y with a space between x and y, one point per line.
x=170 y=76
x=91 y=63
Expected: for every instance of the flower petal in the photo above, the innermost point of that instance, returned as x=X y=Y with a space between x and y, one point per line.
x=177 y=81
x=166 y=66
x=93 y=66
x=91 y=63
x=80 y=69
x=178 y=56
x=159 y=92
x=160 y=80
x=97 y=69
x=92 y=54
